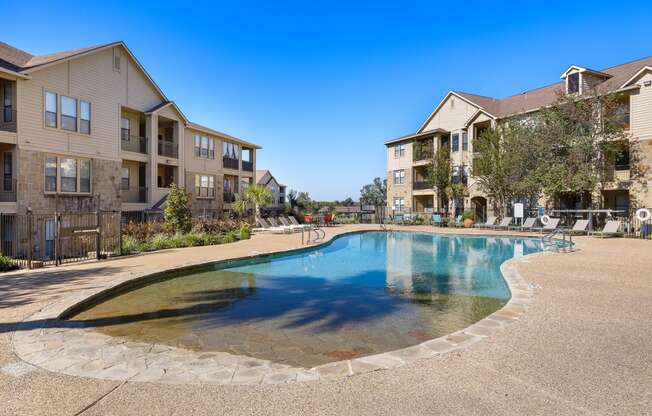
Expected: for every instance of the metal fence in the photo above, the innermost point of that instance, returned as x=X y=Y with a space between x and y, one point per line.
x=53 y=239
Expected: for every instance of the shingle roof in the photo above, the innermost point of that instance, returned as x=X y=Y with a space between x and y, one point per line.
x=260 y=174
x=17 y=60
x=12 y=58
x=543 y=96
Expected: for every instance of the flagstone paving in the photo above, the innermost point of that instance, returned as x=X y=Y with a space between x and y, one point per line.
x=574 y=339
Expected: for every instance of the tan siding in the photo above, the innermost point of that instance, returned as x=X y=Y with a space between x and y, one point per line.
x=641 y=110
x=452 y=114
x=196 y=164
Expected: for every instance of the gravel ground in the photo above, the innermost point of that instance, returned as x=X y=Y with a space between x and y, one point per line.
x=583 y=347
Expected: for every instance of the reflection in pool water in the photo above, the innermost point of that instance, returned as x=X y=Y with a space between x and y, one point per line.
x=363 y=294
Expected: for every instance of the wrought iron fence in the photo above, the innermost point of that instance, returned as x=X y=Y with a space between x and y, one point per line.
x=58 y=238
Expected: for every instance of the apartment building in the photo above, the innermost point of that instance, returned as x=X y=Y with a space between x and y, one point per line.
x=89 y=129
x=266 y=179
x=460 y=118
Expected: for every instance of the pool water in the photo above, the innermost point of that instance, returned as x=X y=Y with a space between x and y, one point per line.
x=363 y=294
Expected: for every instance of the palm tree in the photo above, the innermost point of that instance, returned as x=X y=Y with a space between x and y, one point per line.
x=256 y=195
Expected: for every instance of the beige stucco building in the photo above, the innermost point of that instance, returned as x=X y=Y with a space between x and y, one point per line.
x=266 y=179
x=460 y=118
x=89 y=129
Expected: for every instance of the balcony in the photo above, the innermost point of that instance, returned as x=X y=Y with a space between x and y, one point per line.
x=8 y=191
x=230 y=163
x=8 y=119
x=133 y=143
x=419 y=185
x=168 y=149
x=248 y=166
x=229 y=197
x=136 y=194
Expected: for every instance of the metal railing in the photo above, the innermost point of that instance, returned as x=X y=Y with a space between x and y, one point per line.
x=419 y=185
x=248 y=166
x=168 y=149
x=229 y=197
x=40 y=239
x=8 y=190
x=135 y=194
x=230 y=163
x=8 y=119
x=133 y=143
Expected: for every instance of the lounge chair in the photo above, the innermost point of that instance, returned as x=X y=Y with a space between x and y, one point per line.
x=552 y=225
x=580 y=227
x=458 y=222
x=276 y=224
x=286 y=223
x=293 y=221
x=527 y=225
x=491 y=220
x=504 y=224
x=263 y=225
x=437 y=220
x=611 y=229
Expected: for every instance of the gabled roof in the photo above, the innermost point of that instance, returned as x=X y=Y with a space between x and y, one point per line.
x=164 y=104
x=475 y=100
x=260 y=174
x=208 y=130
x=416 y=135
x=582 y=69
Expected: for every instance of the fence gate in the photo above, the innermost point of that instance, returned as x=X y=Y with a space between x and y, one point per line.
x=58 y=238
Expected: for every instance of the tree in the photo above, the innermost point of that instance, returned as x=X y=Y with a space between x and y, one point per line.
x=374 y=193
x=348 y=202
x=256 y=195
x=440 y=173
x=177 y=214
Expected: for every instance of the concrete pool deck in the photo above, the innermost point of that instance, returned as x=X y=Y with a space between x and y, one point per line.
x=582 y=347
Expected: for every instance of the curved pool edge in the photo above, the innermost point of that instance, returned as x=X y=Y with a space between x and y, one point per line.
x=78 y=352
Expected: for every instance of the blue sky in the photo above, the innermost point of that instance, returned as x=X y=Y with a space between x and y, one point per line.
x=321 y=85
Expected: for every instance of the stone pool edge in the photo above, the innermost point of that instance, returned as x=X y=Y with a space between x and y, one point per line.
x=77 y=352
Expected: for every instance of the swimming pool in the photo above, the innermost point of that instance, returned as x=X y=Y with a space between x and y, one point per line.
x=362 y=294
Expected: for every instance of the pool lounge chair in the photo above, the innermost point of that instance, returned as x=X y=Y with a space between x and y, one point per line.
x=491 y=220
x=276 y=224
x=527 y=225
x=504 y=224
x=287 y=223
x=263 y=225
x=551 y=226
x=611 y=229
x=458 y=222
x=580 y=227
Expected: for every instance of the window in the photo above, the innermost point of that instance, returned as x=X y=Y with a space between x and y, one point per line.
x=51 y=174
x=65 y=174
x=230 y=150
x=399 y=204
x=622 y=159
x=124 y=182
x=50 y=109
x=205 y=186
x=204 y=147
x=7 y=104
x=68 y=174
x=246 y=155
x=125 y=128
x=85 y=117
x=455 y=142
x=399 y=177
x=465 y=141
x=573 y=83
x=68 y=113
x=8 y=165
x=399 y=150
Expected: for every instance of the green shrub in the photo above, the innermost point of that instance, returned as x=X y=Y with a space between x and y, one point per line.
x=245 y=231
x=159 y=242
x=213 y=239
x=229 y=237
x=177 y=213
x=130 y=245
x=7 y=264
x=468 y=215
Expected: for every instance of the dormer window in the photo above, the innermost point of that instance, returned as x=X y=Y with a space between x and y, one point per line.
x=573 y=83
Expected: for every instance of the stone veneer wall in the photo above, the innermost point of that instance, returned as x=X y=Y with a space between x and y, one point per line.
x=197 y=204
x=105 y=186
x=399 y=191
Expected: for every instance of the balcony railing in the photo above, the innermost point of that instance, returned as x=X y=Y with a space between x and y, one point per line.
x=418 y=185
x=422 y=154
x=133 y=143
x=8 y=190
x=8 y=120
x=135 y=194
x=203 y=192
x=230 y=163
x=168 y=149
x=248 y=166
x=229 y=197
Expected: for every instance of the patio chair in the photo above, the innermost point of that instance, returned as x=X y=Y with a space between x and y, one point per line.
x=504 y=224
x=551 y=226
x=580 y=227
x=526 y=226
x=458 y=222
x=293 y=221
x=491 y=220
x=437 y=220
x=611 y=229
